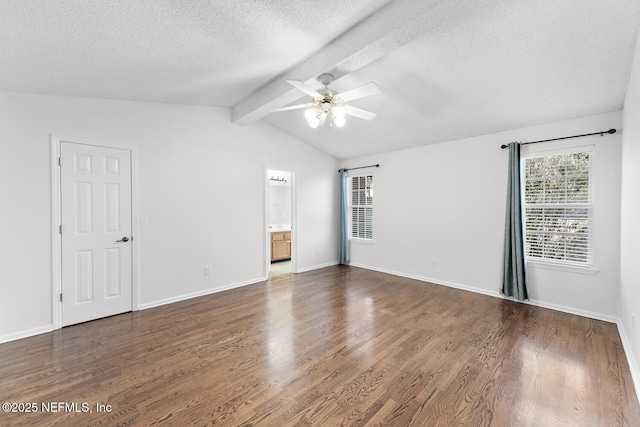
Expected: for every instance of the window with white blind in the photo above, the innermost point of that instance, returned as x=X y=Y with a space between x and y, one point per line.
x=361 y=207
x=558 y=204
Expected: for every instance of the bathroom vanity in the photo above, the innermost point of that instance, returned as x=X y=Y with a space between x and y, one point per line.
x=280 y=245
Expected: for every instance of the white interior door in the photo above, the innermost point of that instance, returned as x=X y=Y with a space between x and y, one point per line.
x=96 y=236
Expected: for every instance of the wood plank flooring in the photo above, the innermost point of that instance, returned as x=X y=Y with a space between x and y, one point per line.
x=339 y=346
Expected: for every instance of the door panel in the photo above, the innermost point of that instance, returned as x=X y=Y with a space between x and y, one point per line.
x=96 y=215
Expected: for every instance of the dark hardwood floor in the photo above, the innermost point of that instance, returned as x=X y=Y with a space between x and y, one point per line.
x=339 y=346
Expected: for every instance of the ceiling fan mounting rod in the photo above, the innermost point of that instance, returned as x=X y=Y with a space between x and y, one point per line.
x=325 y=79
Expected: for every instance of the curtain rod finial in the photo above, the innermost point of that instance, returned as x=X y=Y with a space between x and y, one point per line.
x=611 y=131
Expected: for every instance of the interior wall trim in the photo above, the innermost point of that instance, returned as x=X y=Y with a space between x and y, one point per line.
x=626 y=344
x=26 y=333
x=631 y=360
x=191 y=295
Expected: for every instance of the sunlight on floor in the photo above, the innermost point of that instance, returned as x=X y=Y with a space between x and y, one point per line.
x=542 y=368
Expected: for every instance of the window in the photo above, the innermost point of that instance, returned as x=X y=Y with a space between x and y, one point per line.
x=558 y=201
x=361 y=207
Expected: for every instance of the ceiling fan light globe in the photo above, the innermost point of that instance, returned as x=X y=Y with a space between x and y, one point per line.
x=313 y=120
x=310 y=114
x=339 y=120
x=338 y=111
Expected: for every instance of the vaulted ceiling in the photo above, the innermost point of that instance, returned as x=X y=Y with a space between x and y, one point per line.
x=447 y=69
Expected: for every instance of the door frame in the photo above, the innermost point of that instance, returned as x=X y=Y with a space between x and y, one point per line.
x=294 y=221
x=56 y=217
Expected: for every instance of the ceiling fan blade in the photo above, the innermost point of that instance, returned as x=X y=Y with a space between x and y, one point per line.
x=292 y=107
x=303 y=87
x=360 y=92
x=359 y=112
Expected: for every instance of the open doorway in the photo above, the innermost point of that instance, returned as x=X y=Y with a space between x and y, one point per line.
x=280 y=223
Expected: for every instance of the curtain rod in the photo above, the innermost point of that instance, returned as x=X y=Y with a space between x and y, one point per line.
x=565 y=137
x=361 y=167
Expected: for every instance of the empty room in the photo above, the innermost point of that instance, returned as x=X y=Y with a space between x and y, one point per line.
x=288 y=213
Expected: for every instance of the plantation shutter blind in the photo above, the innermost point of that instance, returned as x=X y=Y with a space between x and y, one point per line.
x=362 y=207
x=558 y=208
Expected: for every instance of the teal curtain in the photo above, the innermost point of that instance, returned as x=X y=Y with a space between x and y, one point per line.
x=344 y=250
x=514 y=280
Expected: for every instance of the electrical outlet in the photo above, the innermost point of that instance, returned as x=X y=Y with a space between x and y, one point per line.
x=207 y=270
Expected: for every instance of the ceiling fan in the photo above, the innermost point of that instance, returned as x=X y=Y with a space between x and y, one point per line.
x=329 y=107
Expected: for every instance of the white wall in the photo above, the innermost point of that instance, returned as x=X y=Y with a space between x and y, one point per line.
x=447 y=201
x=630 y=240
x=188 y=156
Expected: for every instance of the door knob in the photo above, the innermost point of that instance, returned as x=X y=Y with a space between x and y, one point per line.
x=124 y=239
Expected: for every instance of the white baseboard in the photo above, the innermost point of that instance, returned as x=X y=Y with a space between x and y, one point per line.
x=628 y=351
x=633 y=365
x=184 y=297
x=222 y=288
x=317 y=266
x=571 y=310
x=631 y=360
x=49 y=328
x=25 y=334
x=430 y=280
x=497 y=294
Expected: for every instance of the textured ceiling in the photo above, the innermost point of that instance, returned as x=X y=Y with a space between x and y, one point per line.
x=447 y=69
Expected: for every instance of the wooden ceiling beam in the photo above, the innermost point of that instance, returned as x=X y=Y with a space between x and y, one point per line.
x=392 y=26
